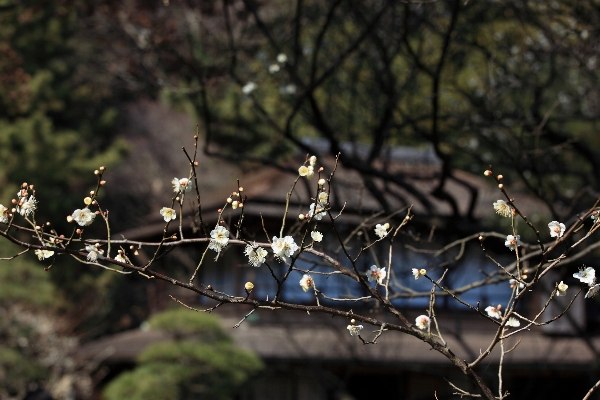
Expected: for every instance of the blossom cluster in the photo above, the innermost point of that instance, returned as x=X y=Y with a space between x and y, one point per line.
x=283 y=248
x=587 y=275
x=219 y=238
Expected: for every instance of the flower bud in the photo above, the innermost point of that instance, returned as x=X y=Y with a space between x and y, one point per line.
x=69 y=218
x=352 y=321
x=487 y=172
x=87 y=201
x=321 y=182
x=499 y=177
x=240 y=204
x=102 y=183
x=249 y=286
x=240 y=189
x=79 y=231
x=196 y=163
x=234 y=204
x=500 y=186
x=96 y=172
x=229 y=200
x=102 y=168
x=92 y=193
x=301 y=217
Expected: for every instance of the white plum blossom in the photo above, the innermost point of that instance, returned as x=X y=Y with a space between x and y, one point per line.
x=376 y=274
x=219 y=237
x=168 y=214
x=3 y=214
x=93 y=253
x=273 y=68
x=381 y=230
x=306 y=282
x=303 y=170
x=120 y=258
x=557 y=229
x=283 y=247
x=83 y=217
x=354 y=329
x=493 y=312
x=249 y=87
x=422 y=322
x=281 y=58
x=513 y=283
x=316 y=236
x=512 y=242
x=323 y=198
x=181 y=185
x=290 y=88
x=513 y=322
x=319 y=214
x=417 y=273
x=561 y=289
x=502 y=208
x=593 y=291
x=256 y=254
x=586 y=275
x=41 y=254
x=27 y=207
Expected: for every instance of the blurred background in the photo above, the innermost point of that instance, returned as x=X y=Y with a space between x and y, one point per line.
x=417 y=98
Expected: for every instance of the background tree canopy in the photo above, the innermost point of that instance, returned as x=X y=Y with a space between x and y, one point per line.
x=512 y=84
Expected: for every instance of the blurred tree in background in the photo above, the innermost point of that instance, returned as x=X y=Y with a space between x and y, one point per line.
x=513 y=84
x=200 y=361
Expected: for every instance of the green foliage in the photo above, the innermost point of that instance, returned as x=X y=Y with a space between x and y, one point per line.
x=181 y=322
x=205 y=366
x=16 y=371
x=25 y=282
